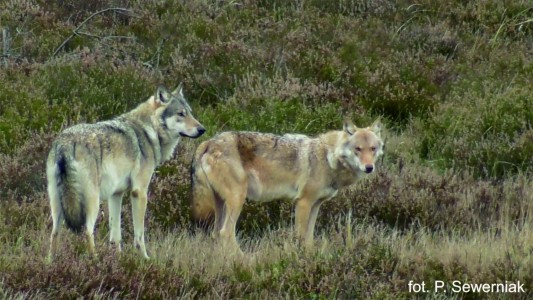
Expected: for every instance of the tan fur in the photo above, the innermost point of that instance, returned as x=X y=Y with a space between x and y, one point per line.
x=235 y=166
x=90 y=163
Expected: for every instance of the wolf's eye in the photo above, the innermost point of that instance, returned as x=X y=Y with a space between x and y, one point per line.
x=373 y=149
x=358 y=149
x=181 y=114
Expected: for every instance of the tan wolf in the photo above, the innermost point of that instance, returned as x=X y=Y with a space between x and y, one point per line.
x=236 y=166
x=90 y=163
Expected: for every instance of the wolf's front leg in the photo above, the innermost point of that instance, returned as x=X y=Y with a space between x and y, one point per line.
x=313 y=214
x=138 y=206
x=303 y=210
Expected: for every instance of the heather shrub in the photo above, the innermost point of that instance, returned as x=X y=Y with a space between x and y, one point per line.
x=272 y=115
x=488 y=133
x=125 y=277
x=170 y=198
x=65 y=93
x=63 y=10
x=102 y=90
x=398 y=91
x=381 y=8
x=419 y=198
x=23 y=175
x=392 y=77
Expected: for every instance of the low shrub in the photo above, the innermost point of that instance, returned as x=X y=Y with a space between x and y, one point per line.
x=488 y=133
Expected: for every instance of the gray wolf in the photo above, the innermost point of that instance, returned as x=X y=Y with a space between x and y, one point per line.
x=233 y=167
x=90 y=163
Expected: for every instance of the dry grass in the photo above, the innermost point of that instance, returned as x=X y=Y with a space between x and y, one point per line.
x=357 y=259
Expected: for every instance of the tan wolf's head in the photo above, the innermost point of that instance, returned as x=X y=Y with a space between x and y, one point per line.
x=174 y=115
x=360 y=147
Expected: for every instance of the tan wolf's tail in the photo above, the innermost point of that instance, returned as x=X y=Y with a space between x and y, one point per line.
x=72 y=201
x=203 y=198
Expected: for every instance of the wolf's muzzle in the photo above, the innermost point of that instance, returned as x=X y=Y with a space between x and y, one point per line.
x=199 y=130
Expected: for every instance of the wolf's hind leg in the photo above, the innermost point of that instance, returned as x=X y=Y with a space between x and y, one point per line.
x=228 y=180
x=219 y=216
x=57 y=215
x=115 y=206
x=57 y=219
x=92 y=207
x=231 y=211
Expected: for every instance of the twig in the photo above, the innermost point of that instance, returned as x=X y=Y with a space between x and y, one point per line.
x=6 y=44
x=156 y=56
x=105 y=37
x=75 y=31
x=80 y=33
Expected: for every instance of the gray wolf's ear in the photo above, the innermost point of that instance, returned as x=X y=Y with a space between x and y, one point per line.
x=178 y=91
x=376 y=127
x=348 y=126
x=162 y=96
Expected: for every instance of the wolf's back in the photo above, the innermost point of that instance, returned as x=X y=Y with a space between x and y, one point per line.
x=62 y=179
x=203 y=201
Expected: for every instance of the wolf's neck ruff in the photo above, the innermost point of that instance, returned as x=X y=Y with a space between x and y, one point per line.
x=161 y=141
x=341 y=173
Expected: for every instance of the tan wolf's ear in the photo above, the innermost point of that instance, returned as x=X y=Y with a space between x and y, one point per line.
x=162 y=96
x=348 y=126
x=376 y=127
x=178 y=91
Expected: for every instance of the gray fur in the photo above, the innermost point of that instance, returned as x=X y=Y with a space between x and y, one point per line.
x=90 y=163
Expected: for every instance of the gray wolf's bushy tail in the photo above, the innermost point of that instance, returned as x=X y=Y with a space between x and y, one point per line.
x=71 y=199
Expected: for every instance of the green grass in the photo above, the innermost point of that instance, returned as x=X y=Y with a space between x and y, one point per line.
x=451 y=198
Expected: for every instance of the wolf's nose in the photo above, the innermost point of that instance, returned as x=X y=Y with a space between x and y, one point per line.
x=369 y=169
x=201 y=130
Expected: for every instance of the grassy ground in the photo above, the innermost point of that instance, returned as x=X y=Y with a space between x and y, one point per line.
x=452 y=198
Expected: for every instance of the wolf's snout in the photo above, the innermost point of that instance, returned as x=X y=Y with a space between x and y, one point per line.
x=195 y=132
x=369 y=169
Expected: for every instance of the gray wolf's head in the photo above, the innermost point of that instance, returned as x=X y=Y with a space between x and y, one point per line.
x=174 y=115
x=360 y=147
